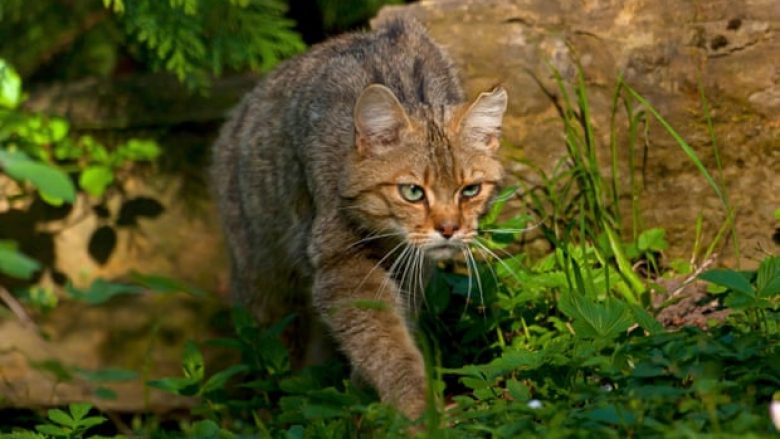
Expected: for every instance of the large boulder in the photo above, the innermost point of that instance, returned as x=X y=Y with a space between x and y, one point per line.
x=667 y=50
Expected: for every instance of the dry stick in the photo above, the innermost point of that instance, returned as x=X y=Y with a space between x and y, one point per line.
x=699 y=270
x=16 y=307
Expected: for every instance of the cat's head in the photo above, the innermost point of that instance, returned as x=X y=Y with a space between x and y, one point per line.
x=424 y=175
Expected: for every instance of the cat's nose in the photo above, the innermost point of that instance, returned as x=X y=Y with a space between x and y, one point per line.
x=447 y=228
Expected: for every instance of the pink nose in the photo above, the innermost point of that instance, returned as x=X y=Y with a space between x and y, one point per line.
x=447 y=229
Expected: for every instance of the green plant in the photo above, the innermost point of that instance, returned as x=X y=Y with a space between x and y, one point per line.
x=41 y=161
x=754 y=295
x=72 y=424
x=192 y=39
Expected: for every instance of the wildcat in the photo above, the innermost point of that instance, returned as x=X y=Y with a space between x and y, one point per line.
x=342 y=172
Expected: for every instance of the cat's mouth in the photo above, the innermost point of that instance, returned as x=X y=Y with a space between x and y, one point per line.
x=443 y=251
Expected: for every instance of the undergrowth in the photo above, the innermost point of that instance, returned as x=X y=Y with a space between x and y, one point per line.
x=564 y=345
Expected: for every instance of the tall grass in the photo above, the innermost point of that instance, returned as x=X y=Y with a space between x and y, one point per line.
x=583 y=205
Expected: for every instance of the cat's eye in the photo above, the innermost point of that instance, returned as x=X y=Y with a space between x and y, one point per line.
x=411 y=192
x=471 y=190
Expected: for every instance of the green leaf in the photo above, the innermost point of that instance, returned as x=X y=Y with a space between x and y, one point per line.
x=192 y=363
x=79 y=409
x=498 y=205
x=204 y=429
x=219 y=379
x=22 y=435
x=15 y=264
x=101 y=291
x=52 y=430
x=117 y=5
x=50 y=181
x=105 y=393
x=107 y=375
x=164 y=284
x=177 y=385
x=95 y=179
x=518 y=390
x=611 y=414
x=652 y=240
x=645 y=320
x=62 y=418
x=139 y=150
x=41 y=297
x=91 y=421
x=58 y=129
x=730 y=279
x=777 y=213
x=768 y=277
x=10 y=86
x=54 y=367
x=596 y=319
x=296 y=432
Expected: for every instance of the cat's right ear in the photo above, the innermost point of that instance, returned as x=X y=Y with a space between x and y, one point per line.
x=379 y=119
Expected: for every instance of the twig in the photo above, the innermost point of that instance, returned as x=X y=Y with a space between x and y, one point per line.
x=16 y=307
x=699 y=270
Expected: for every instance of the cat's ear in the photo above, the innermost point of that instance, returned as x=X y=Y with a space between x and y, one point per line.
x=379 y=119
x=480 y=124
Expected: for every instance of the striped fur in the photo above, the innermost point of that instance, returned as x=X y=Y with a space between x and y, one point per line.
x=300 y=198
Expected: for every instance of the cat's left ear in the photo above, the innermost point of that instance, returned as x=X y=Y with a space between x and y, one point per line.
x=480 y=125
x=379 y=119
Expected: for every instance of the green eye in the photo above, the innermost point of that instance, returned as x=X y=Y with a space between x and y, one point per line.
x=411 y=192
x=471 y=190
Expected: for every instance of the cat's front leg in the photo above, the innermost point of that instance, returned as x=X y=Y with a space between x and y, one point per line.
x=360 y=304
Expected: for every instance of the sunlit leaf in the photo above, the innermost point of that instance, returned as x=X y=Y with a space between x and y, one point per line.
x=10 y=86
x=734 y=280
x=49 y=180
x=95 y=179
x=139 y=150
x=16 y=264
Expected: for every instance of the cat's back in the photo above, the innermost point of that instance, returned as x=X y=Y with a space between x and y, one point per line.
x=398 y=54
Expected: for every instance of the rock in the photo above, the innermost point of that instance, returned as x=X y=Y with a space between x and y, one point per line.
x=664 y=49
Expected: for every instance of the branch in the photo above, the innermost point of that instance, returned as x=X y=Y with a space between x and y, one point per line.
x=16 y=307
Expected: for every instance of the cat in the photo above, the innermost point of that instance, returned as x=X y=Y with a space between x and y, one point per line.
x=344 y=170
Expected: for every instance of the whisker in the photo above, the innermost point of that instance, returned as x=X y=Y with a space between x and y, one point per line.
x=479 y=279
x=533 y=226
x=489 y=266
x=468 y=290
x=505 y=197
x=391 y=276
x=373 y=237
x=406 y=267
x=504 y=252
x=393 y=250
x=499 y=260
x=420 y=274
